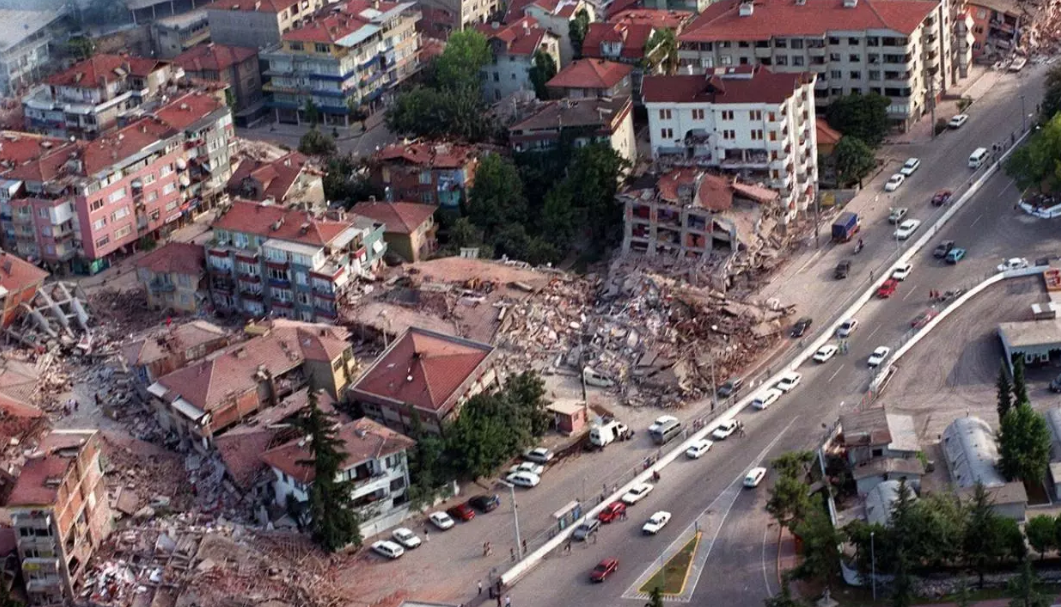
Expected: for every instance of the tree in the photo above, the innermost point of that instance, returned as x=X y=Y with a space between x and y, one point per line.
x=1003 y=391
x=453 y=112
x=1020 y=386
x=459 y=64
x=577 y=29
x=935 y=529
x=963 y=598
x=496 y=198
x=427 y=471
x=862 y=116
x=559 y=217
x=346 y=181
x=655 y=597
x=793 y=463
x=1034 y=165
x=1051 y=105
x=854 y=160
x=316 y=143
x=1042 y=534
x=783 y=598
x=333 y=522
x=593 y=177
x=821 y=552
x=541 y=72
x=1024 y=589
x=1024 y=445
x=311 y=113
x=664 y=50
x=983 y=541
x=789 y=500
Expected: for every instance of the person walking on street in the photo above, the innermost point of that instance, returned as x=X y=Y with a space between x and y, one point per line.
x=427 y=534
x=524 y=544
x=508 y=601
x=480 y=583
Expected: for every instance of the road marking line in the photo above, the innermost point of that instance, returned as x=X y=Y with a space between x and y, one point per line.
x=835 y=373
x=909 y=292
x=812 y=259
x=874 y=332
x=976 y=220
x=766 y=578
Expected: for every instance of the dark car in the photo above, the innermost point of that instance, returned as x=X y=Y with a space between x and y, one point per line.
x=942 y=249
x=842 y=269
x=604 y=569
x=613 y=511
x=801 y=327
x=586 y=529
x=730 y=387
x=941 y=198
x=1055 y=386
x=463 y=512
x=485 y=503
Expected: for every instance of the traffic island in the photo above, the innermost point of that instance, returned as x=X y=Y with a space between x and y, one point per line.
x=673 y=575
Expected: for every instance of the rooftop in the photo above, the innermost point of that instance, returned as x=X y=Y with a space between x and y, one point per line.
x=437 y=155
x=724 y=85
x=602 y=113
x=868 y=427
x=101 y=154
x=657 y=18
x=99 y=69
x=18 y=25
x=17 y=274
x=17 y=147
x=272 y=221
x=175 y=258
x=826 y=134
x=274 y=177
x=904 y=436
x=399 y=217
x=632 y=36
x=777 y=18
x=178 y=337
x=1030 y=333
x=213 y=57
x=591 y=74
x=260 y=6
x=43 y=473
x=348 y=24
x=521 y=37
x=188 y=109
x=972 y=453
x=888 y=465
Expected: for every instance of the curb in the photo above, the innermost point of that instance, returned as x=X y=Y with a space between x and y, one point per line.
x=780 y=533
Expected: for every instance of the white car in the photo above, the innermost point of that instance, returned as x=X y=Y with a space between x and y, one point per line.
x=539 y=455
x=698 y=448
x=661 y=421
x=910 y=166
x=767 y=398
x=524 y=479
x=1017 y=263
x=388 y=549
x=894 y=182
x=755 y=476
x=405 y=537
x=907 y=228
x=656 y=522
x=902 y=271
x=441 y=520
x=879 y=355
x=725 y=429
x=847 y=327
x=535 y=469
x=789 y=381
x=958 y=121
x=636 y=493
x=825 y=353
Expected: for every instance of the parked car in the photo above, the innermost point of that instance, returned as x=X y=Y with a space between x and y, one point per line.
x=462 y=512
x=897 y=214
x=824 y=353
x=726 y=428
x=942 y=249
x=923 y=318
x=1055 y=386
x=878 y=356
x=902 y=271
x=955 y=255
x=788 y=381
x=636 y=493
x=611 y=512
x=604 y=569
x=485 y=503
x=698 y=448
x=801 y=326
x=441 y=520
x=586 y=529
x=1018 y=64
x=539 y=455
x=730 y=387
x=661 y=421
x=524 y=479
x=656 y=522
x=911 y=165
x=755 y=476
x=842 y=269
x=847 y=327
x=767 y=398
x=958 y=121
x=405 y=537
x=941 y=198
x=887 y=289
x=907 y=228
x=894 y=182
x=1016 y=263
x=527 y=467
x=388 y=549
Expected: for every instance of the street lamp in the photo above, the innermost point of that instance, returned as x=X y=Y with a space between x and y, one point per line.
x=873 y=559
x=515 y=517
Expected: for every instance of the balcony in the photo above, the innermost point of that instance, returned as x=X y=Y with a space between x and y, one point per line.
x=745 y=158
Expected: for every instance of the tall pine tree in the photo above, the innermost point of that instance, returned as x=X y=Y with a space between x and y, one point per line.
x=1020 y=388
x=333 y=522
x=1005 y=391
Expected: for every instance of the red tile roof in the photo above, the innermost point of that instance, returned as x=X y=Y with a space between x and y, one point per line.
x=362 y=440
x=723 y=85
x=259 y=6
x=430 y=154
x=423 y=369
x=17 y=147
x=261 y=219
x=522 y=37
x=634 y=39
x=826 y=134
x=188 y=109
x=657 y=18
x=17 y=274
x=275 y=177
x=329 y=29
x=591 y=74
x=102 y=153
x=106 y=68
x=179 y=337
x=399 y=217
x=770 y=18
x=175 y=258
x=37 y=484
x=213 y=57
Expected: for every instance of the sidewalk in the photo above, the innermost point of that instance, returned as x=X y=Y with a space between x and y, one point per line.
x=979 y=82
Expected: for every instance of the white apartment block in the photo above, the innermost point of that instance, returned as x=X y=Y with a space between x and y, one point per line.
x=513 y=48
x=747 y=121
x=900 y=49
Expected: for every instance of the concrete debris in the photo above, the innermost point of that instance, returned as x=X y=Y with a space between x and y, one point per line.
x=56 y=316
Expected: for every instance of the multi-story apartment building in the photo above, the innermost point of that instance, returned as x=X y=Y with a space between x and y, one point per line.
x=236 y=66
x=173 y=276
x=25 y=40
x=19 y=283
x=578 y=122
x=591 y=78
x=205 y=126
x=374 y=461
x=513 y=48
x=266 y=259
x=425 y=171
x=443 y=17
x=901 y=50
x=996 y=27
x=89 y=97
x=289 y=178
x=257 y=23
x=175 y=34
x=60 y=514
x=343 y=59
x=626 y=37
x=748 y=120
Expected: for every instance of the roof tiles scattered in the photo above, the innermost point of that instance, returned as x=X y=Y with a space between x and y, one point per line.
x=436 y=155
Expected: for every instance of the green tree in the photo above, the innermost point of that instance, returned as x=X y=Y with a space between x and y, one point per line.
x=854 y=160
x=333 y=522
x=594 y=180
x=793 y=463
x=346 y=181
x=1051 y=105
x=1020 y=385
x=1034 y=165
x=655 y=596
x=316 y=143
x=496 y=198
x=862 y=116
x=983 y=541
x=1024 y=445
x=576 y=30
x=526 y=394
x=1004 y=391
x=936 y=527
x=1042 y=534
x=541 y=72
x=311 y=113
x=560 y=217
x=456 y=113
x=783 y=598
x=963 y=598
x=664 y=50
x=459 y=64
x=1024 y=589
x=789 y=500
x=427 y=471
x=821 y=552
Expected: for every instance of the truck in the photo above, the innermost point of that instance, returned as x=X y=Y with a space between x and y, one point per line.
x=603 y=434
x=846 y=226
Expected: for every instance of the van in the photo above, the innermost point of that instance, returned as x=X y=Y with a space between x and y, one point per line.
x=601 y=436
x=978 y=158
x=665 y=432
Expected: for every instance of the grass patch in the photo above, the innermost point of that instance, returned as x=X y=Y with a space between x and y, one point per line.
x=670 y=579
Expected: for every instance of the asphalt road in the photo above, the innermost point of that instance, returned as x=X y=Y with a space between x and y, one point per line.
x=740 y=568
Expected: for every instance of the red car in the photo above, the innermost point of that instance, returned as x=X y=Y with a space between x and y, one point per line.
x=612 y=512
x=941 y=198
x=887 y=289
x=463 y=512
x=604 y=569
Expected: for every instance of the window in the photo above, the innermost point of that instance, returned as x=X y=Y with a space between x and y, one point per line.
x=169 y=188
x=251 y=269
x=728 y=134
x=148 y=179
x=103 y=241
x=281 y=294
x=123 y=232
x=303 y=298
x=152 y=196
x=835 y=74
x=497 y=77
x=797 y=43
x=295 y=46
x=322 y=48
x=120 y=213
x=781 y=43
x=853 y=41
x=667 y=133
x=300 y=278
x=757 y=134
x=744 y=61
x=99 y=224
x=853 y=58
x=797 y=61
x=834 y=40
x=834 y=56
x=276 y=274
x=96 y=205
x=116 y=195
x=856 y=75
x=755 y=114
x=42 y=213
x=782 y=60
x=725 y=60
x=698 y=114
x=171 y=205
x=664 y=114
x=425 y=177
x=773 y=135
x=724 y=44
x=166 y=170
x=773 y=117
x=727 y=114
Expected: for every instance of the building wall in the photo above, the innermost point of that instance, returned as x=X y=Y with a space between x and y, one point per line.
x=255 y=29
x=560 y=27
x=331 y=376
x=508 y=74
x=172 y=38
x=178 y=292
x=442 y=187
x=26 y=61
